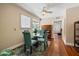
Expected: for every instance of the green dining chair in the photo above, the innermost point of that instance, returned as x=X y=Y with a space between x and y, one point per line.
x=28 y=43
x=42 y=33
x=44 y=39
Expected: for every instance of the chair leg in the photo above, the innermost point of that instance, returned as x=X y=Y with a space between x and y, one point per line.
x=45 y=45
x=24 y=48
x=28 y=51
x=31 y=50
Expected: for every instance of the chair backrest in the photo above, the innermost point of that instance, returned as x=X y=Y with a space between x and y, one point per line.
x=45 y=35
x=42 y=33
x=27 y=39
x=46 y=39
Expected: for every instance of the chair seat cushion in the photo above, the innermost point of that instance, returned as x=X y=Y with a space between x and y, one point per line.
x=33 y=41
x=41 y=39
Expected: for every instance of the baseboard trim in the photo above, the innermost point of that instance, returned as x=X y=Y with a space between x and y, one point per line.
x=70 y=44
x=15 y=46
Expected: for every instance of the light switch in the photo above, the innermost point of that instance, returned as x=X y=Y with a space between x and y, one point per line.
x=14 y=29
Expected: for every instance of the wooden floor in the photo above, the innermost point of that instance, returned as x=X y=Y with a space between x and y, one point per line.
x=57 y=48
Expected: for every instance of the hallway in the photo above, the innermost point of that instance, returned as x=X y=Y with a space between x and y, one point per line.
x=57 y=48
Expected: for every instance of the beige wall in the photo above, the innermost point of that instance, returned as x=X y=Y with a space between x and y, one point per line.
x=9 y=21
x=72 y=15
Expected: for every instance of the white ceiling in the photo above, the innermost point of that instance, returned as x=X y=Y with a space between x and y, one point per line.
x=36 y=8
x=57 y=8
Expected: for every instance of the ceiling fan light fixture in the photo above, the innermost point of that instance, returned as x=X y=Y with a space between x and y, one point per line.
x=43 y=13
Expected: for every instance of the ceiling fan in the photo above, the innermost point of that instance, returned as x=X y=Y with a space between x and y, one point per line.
x=45 y=10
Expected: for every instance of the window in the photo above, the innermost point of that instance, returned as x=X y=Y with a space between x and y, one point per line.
x=35 y=24
x=25 y=22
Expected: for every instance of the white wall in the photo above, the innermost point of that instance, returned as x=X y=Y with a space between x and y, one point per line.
x=46 y=21
x=72 y=16
x=67 y=26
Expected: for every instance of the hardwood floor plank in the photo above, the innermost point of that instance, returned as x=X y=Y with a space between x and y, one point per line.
x=57 y=48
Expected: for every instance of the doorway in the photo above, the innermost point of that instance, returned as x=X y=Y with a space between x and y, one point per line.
x=57 y=28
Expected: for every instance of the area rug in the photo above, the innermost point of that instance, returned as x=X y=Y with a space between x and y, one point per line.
x=36 y=52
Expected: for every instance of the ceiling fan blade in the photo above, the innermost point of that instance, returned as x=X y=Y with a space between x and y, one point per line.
x=48 y=11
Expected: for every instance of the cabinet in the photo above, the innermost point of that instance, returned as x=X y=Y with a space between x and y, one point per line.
x=76 y=34
x=49 y=30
